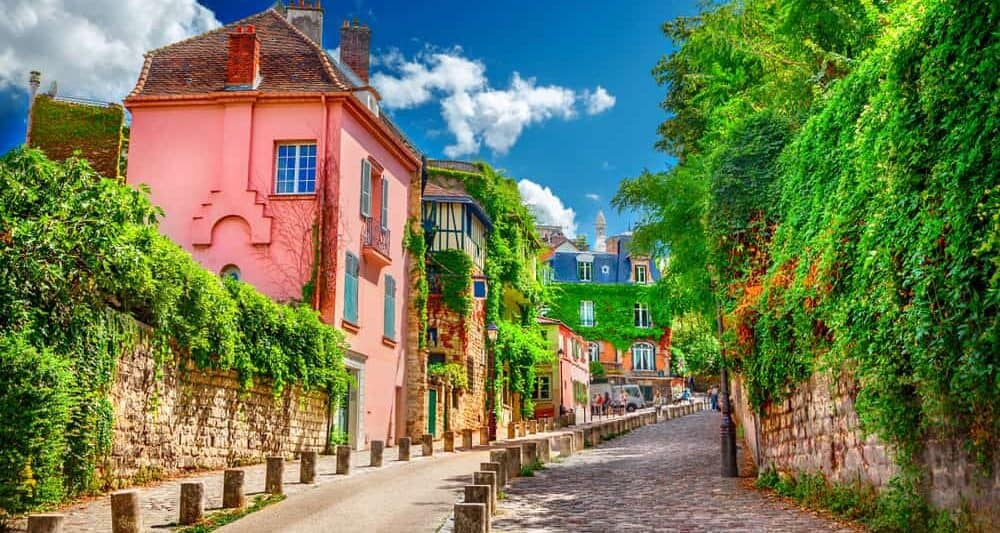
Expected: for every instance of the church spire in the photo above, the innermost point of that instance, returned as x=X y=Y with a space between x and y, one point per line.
x=600 y=236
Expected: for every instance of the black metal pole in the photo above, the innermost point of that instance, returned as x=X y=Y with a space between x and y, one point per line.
x=727 y=429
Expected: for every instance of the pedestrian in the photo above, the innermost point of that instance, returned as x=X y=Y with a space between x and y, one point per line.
x=599 y=403
x=713 y=397
x=607 y=401
x=623 y=402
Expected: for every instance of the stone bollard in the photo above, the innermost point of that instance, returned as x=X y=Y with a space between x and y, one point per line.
x=467 y=439
x=449 y=441
x=275 y=471
x=307 y=467
x=578 y=440
x=471 y=518
x=488 y=478
x=545 y=450
x=514 y=461
x=479 y=494
x=532 y=426
x=232 y=489
x=125 y=516
x=511 y=431
x=529 y=453
x=427 y=443
x=484 y=435
x=565 y=445
x=498 y=458
x=403 y=449
x=377 y=448
x=522 y=428
x=192 y=507
x=344 y=460
x=46 y=523
x=595 y=436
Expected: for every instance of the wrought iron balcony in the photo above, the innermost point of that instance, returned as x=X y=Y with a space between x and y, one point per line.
x=375 y=242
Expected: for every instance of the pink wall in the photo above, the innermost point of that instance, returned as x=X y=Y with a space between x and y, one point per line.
x=211 y=168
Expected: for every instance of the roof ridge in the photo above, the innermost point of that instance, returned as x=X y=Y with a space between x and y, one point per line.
x=317 y=47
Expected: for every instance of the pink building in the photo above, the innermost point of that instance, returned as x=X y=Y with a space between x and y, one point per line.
x=273 y=164
x=562 y=387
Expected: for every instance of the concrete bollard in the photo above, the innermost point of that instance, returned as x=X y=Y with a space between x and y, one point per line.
x=484 y=435
x=466 y=439
x=514 y=461
x=511 y=431
x=498 y=464
x=578 y=440
x=376 y=451
x=273 y=477
x=532 y=426
x=403 y=450
x=490 y=479
x=565 y=445
x=449 y=441
x=529 y=453
x=522 y=428
x=307 y=467
x=479 y=494
x=192 y=507
x=544 y=450
x=471 y=518
x=344 y=460
x=232 y=489
x=427 y=443
x=46 y=523
x=596 y=435
x=125 y=515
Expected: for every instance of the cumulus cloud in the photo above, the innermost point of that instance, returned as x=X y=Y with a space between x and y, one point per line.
x=475 y=112
x=598 y=101
x=547 y=207
x=93 y=48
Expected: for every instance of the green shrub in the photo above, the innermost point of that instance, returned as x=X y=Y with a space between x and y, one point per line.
x=34 y=407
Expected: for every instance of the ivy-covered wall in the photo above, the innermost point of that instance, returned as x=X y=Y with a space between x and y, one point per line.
x=614 y=305
x=60 y=128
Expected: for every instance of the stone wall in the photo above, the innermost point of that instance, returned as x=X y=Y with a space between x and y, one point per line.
x=195 y=419
x=817 y=430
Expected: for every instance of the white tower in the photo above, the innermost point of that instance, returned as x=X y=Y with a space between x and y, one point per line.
x=600 y=237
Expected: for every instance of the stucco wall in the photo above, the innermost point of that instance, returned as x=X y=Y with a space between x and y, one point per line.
x=817 y=430
x=191 y=418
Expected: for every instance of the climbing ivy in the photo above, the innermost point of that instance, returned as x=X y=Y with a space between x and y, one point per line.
x=415 y=243
x=81 y=264
x=453 y=270
x=452 y=373
x=614 y=310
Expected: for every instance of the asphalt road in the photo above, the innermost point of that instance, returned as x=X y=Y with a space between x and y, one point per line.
x=415 y=497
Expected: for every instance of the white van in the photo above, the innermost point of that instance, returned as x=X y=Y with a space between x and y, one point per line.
x=634 y=393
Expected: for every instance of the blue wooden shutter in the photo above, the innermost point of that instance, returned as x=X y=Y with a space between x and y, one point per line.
x=385 y=202
x=366 y=188
x=351 y=289
x=389 y=313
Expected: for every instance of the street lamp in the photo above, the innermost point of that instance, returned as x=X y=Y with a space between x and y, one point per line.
x=491 y=333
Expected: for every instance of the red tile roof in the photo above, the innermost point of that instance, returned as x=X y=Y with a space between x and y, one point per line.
x=289 y=62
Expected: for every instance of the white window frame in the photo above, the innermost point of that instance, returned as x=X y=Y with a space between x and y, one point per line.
x=648 y=358
x=585 y=266
x=645 y=274
x=589 y=305
x=296 y=177
x=640 y=311
x=594 y=351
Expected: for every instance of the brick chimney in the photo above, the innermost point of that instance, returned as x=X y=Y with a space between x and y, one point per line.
x=355 y=43
x=243 y=66
x=307 y=17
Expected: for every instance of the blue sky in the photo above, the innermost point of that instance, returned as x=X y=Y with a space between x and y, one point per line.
x=564 y=52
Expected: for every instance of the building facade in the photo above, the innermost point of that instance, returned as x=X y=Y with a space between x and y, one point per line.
x=608 y=295
x=562 y=387
x=273 y=164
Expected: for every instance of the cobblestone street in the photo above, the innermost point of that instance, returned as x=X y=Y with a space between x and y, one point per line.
x=662 y=477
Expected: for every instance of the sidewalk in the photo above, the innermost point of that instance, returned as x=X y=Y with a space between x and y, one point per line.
x=160 y=503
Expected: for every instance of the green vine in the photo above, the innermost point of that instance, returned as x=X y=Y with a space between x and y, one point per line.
x=614 y=305
x=451 y=373
x=453 y=270
x=415 y=243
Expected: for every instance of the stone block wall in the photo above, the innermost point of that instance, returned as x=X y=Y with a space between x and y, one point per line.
x=462 y=341
x=195 y=419
x=816 y=429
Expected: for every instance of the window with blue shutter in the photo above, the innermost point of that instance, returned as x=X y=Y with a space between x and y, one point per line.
x=366 y=188
x=385 y=202
x=351 y=289
x=390 y=307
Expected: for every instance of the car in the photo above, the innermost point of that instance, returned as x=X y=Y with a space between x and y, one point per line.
x=633 y=392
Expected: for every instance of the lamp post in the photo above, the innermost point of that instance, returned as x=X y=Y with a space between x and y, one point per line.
x=491 y=333
x=727 y=429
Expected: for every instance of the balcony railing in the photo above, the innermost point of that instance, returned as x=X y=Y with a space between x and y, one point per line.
x=375 y=241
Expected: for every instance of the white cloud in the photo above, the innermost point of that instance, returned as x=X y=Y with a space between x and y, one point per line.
x=93 y=48
x=547 y=207
x=475 y=112
x=594 y=197
x=598 y=101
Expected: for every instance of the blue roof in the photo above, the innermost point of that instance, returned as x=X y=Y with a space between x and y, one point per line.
x=608 y=267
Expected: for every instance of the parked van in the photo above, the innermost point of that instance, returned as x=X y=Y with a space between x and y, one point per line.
x=634 y=393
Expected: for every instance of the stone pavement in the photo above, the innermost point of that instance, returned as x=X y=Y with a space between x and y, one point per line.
x=662 y=477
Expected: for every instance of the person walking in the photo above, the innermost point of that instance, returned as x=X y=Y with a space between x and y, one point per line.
x=713 y=397
x=607 y=401
x=598 y=403
x=623 y=401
